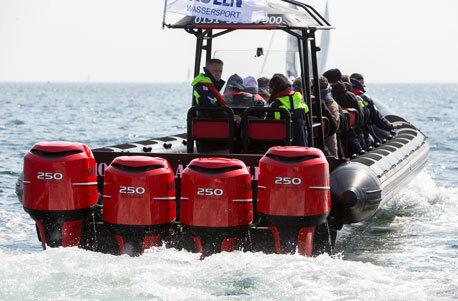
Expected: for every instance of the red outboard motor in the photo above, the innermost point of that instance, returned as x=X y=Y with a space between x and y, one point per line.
x=60 y=188
x=139 y=202
x=293 y=195
x=216 y=204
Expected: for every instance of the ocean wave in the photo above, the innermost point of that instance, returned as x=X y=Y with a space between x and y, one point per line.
x=168 y=274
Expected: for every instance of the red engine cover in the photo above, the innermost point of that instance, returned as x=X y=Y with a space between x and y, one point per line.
x=139 y=190
x=59 y=176
x=293 y=181
x=216 y=193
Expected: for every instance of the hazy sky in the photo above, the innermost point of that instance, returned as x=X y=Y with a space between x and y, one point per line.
x=122 y=41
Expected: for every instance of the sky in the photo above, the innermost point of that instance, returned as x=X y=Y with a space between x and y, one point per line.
x=389 y=41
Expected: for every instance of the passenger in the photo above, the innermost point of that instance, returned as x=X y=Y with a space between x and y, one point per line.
x=206 y=86
x=353 y=140
x=346 y=81
x=263 y=88
x=251 y=86
x=375 y=118
x=282 y=96
x=330 y=109
x=368 y=138
x=235 y=94
x=297 y=84
x=334 y=110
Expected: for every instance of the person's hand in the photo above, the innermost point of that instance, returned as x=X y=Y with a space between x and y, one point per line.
x=237 y=120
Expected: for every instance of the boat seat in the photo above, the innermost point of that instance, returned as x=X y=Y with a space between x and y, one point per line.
x=210 y=124
x=260 y=134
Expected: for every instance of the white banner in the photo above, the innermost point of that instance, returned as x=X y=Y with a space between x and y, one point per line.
x=233 y=11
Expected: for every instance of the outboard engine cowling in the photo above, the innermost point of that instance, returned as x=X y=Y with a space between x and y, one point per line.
x=60 y=187
x=139 y=201
x=293 y=195
x=216 y=204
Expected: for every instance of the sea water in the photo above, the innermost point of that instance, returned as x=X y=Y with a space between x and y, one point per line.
x=407 y=251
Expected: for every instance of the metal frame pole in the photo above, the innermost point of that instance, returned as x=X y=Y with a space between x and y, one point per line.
x=199 y=43
x=208 y=45
x=316 y=85
x=306 y=84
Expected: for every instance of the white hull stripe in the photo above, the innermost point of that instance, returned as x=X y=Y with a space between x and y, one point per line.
x=166 y=198
x=184 y=198
x=320 y=187
x=85 y=184
x=243 y=200
x=26 y=182
x=261 y=187
x=106 y=196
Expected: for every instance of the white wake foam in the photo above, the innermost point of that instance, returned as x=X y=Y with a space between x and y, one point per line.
x=404 y=258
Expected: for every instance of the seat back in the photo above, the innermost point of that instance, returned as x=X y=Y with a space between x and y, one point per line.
x=265 y=132
x=351 y=117
x=210 y=124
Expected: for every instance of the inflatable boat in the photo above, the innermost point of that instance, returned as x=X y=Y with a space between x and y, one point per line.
x=260 y=194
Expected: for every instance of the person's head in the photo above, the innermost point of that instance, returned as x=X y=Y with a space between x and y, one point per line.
x=263 y=87
x=346 y=78
x=278 y=83
x=356 y=84
x=215 y=67
x=338 y=88
x=263 y=83
x=359 y=77
x=325 y=88
x=333 y=75
x=234 y=84
x=297 y=84
x=251 y=84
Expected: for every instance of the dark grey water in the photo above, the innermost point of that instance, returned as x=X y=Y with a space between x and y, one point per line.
x=407 y=251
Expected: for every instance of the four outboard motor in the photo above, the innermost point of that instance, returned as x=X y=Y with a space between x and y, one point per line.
x=139 y=206
x=139 y=201
x=216 y=204
x=293 y=195
x=60 y=187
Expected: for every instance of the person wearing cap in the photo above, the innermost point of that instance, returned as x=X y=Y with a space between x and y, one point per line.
x=353 y=139
x=374 y=116
x=330 y=109
x=334 y=115
x=368 y=139
x=282 y=96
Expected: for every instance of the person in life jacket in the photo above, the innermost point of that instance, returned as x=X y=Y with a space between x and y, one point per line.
x=374 y=116
x=282 y=96
x=205 y=93
x=206 y=86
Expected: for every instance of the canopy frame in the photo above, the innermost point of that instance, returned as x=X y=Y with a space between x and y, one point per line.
x=307 y=47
